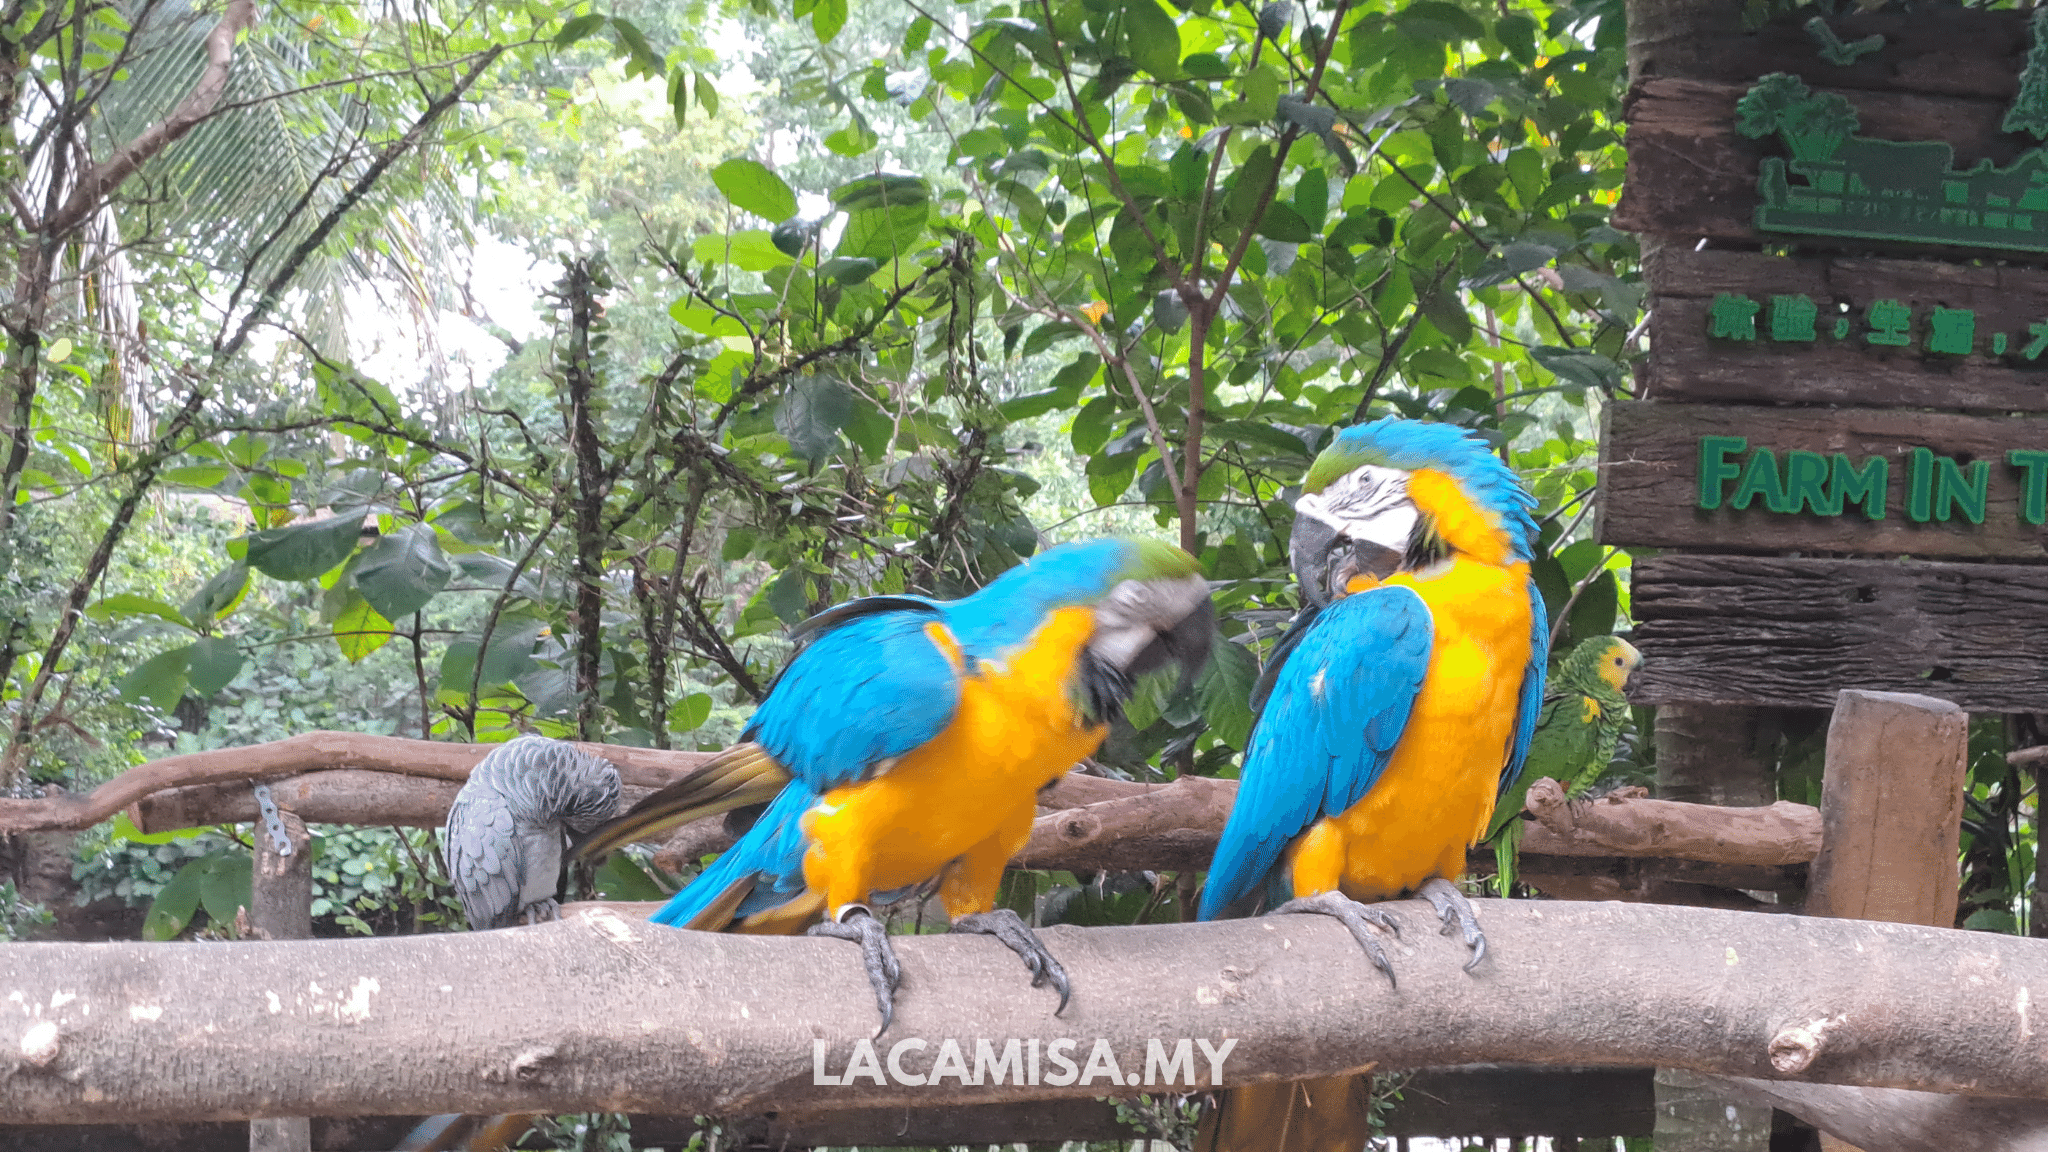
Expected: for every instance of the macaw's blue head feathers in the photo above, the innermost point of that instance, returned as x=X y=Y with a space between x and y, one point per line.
x=1151 y=608
x=1403 y=495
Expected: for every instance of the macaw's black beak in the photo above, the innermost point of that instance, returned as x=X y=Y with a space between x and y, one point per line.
x=1185 y=644
x=1326 y=561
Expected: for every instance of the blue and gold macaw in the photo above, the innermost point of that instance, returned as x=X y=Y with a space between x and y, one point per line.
x=1397 y=706
x=907 y=741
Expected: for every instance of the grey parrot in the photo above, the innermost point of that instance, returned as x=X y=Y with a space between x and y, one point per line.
x=507 y=827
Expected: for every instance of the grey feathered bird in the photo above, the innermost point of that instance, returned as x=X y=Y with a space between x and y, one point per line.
x=507 y=827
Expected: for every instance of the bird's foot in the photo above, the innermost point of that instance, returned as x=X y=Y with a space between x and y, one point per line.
x=1005 y=925
x=856 y=923
x=541 y=911
x=1456 y=912
x=1360 y=918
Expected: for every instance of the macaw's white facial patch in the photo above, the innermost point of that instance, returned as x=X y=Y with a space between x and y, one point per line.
x=1367 y=503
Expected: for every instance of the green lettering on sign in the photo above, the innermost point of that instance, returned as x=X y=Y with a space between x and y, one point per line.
x=1760 y=478
x=1890 y=324
x=1732 y=317
x=1952 y=331
x=1792 y=318
x=1806 y=484
x=2033 y=466
x=1951 y=490
x=1715 y=467
x=1920 y=487
x=1848 y=484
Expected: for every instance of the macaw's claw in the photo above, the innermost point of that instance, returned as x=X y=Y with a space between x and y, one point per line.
x=859 y=925
x=1356 y=917
x=1456 y=912
x=1005 y=925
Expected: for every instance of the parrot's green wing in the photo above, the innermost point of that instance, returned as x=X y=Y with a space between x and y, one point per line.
x=1563 y=743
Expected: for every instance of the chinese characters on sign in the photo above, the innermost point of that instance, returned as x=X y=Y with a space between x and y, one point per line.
x=1885 y=323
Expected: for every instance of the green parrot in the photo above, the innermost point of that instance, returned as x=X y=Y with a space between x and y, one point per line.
x=1583 y=714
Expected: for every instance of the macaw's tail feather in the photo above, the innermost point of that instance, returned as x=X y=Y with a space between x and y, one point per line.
x=1333 y=1114
x=742 y=775
x=455 y=1133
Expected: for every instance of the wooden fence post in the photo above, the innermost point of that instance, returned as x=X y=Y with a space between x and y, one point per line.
x=281 y=908
x=1891 y=814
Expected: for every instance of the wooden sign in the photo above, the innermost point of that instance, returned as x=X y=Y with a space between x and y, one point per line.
x=1827 y=379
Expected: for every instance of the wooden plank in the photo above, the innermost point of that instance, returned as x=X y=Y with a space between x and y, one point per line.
x=1933 y=51
x=1687 y=364
x=281 y=908
x=1892 y=809
x=1650 y=492
x=1691 y=175
x=1766 y=630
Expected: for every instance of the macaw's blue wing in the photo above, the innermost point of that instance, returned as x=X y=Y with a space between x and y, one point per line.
x=869 y=687
x=1531 y=703
x=866 y=691
x=1338 y=708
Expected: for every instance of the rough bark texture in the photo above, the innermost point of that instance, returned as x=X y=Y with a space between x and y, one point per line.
x=1685 y=364
x=1892 y=807
x=1649 y=460
x=1901 y=1120
x=1935 y=51
x=1479 y=1100
x=1763 y=630
x=343 y=796
x=1714 y=755
x=655 y=1020
x=1778 y=833
x=308 y=752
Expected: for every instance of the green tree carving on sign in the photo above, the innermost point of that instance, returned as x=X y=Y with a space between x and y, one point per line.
x=2029 y=111
x=1813 y=126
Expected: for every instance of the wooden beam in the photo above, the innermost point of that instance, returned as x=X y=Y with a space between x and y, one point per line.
x=281 y=908
x=1891 y=809
x=1770 y=630
x=1650 y=460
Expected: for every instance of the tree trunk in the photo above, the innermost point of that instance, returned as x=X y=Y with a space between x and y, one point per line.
x=281 y=908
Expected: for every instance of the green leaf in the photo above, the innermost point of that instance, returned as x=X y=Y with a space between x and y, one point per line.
x=215 y=661
x=707 y=96
x=790 y=595
x=1224 y=691
x=195 y=475
x=622 y=878
x=883 y=233
x=812 y=412
x=1152 y=38
x=1436 y=20
x=219 y=596
x=690 y=713
x=176 y=902
x=1447 y=312
x=578 y=28
x=753 y=188
x=640 y=56
x=1595 y=612
x=828 y=18
x=159 y=679
x=1249 y=183
x=1282 y=222
x=1262 y=92
x=59 y=350
x=360 y=630
x=1312 y=198
x=133 y=604
x=1578 y=367
x=849 y=269
x=225 y=886
x=401 y=572
x=304 y=550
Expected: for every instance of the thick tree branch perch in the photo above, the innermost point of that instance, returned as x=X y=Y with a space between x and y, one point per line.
x=646 y=1019
x=341 y=796
x=308 y=752
x=1780 y=833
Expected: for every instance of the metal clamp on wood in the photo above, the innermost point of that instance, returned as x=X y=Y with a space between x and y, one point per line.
x=272 y=822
